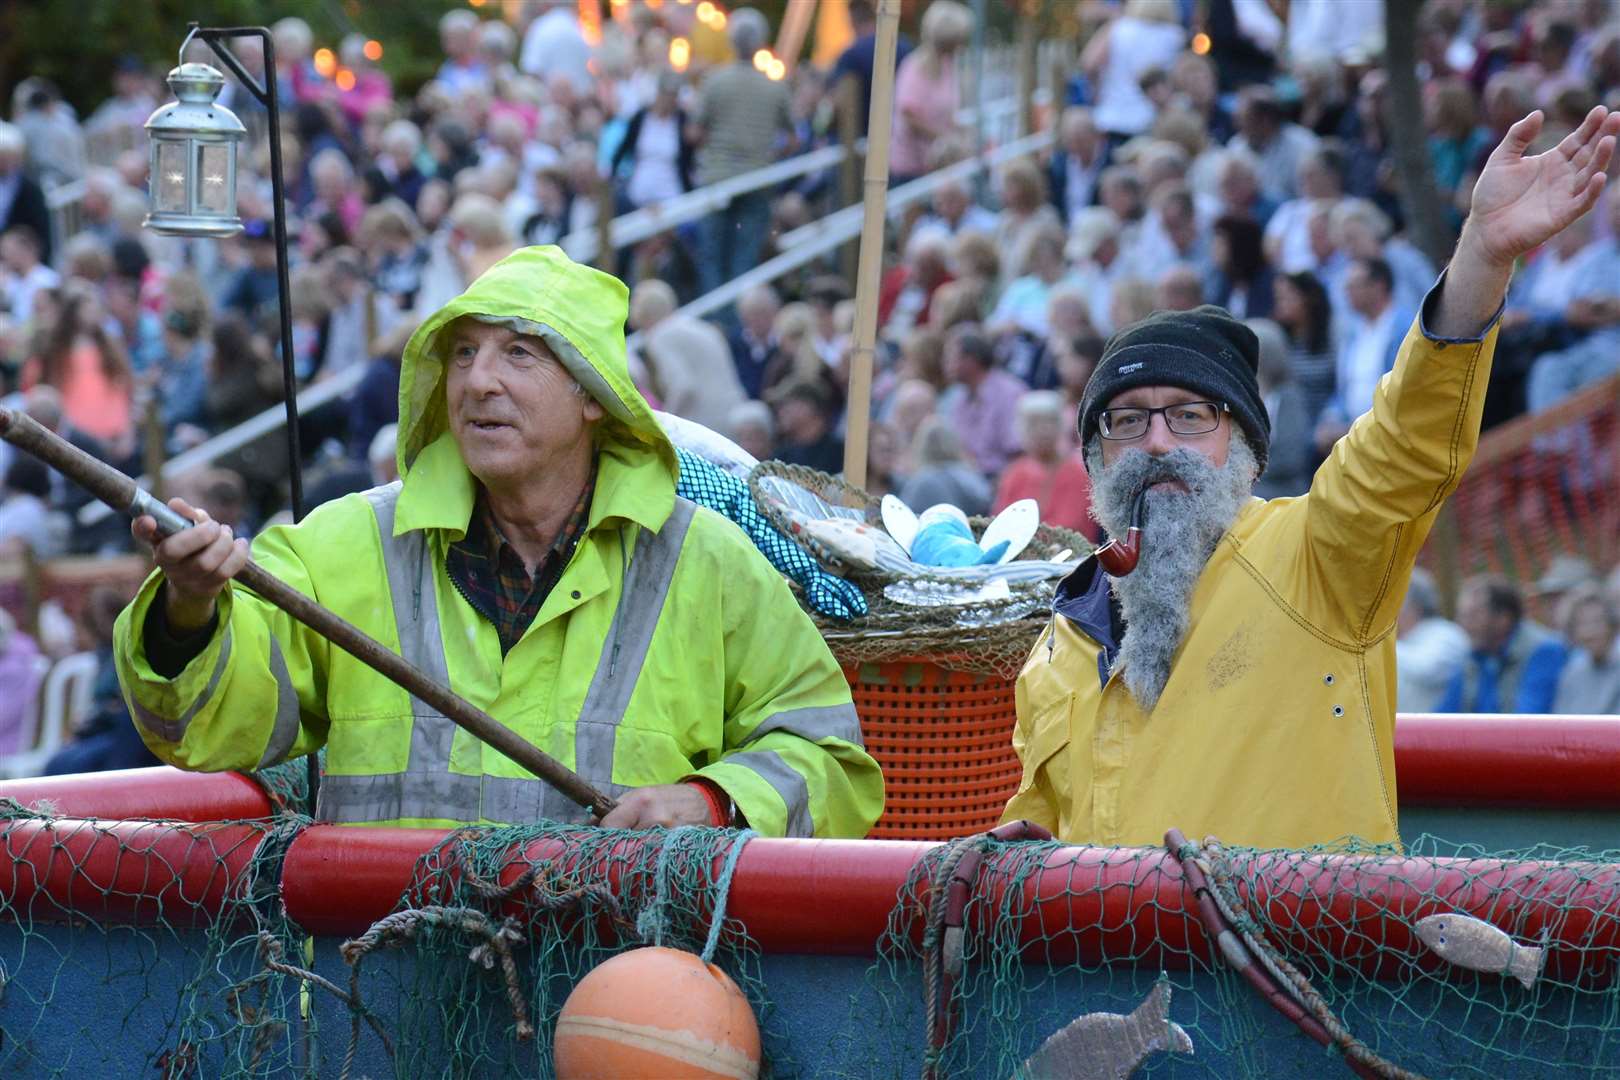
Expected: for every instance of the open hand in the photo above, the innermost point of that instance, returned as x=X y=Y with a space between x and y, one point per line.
x=1522 y=202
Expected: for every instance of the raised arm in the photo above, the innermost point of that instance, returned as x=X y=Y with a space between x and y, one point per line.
x=1519 y=203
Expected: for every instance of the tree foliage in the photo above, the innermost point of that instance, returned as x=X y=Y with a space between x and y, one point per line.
x=75 y=43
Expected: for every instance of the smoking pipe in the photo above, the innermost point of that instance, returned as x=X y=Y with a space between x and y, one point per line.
x=1119 y=556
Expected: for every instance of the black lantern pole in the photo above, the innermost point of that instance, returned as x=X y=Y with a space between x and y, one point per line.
x=217 y=38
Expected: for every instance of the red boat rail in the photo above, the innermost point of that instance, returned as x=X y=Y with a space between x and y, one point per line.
x=835 y=896
x=1570 y=762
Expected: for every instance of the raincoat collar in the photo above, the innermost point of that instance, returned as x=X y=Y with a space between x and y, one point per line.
x=1085 y=599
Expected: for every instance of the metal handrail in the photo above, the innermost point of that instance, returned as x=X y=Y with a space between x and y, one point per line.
x=649 y=221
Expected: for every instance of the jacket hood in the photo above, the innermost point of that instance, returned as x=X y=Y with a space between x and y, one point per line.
x=579 y=312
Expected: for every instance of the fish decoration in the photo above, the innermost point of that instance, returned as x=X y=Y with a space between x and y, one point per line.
x=1108 y=1046
x=1477 y=945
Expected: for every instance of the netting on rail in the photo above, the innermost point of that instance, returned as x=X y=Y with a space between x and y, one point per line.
x=1540 y=486
x=1050 y=935
x=161 y=949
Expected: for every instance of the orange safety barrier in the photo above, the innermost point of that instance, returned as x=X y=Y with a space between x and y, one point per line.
x=1539 y=486
x=944 y=740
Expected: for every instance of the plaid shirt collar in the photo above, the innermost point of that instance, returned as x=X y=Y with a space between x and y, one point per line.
x=490 y=574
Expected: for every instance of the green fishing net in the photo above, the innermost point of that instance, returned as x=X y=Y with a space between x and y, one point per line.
x=115 y=965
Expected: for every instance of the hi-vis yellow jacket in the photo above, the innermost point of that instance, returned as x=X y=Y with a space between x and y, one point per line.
x=1276 y=728
x=668 y=647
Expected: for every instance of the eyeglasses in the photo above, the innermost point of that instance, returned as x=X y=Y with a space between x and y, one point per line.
x=1183 y=418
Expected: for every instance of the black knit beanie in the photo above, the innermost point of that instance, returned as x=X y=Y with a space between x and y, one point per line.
x=1205 y=350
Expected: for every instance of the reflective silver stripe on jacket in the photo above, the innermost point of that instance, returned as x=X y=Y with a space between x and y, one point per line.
x=175 y=730
x=285 y=730
x=815 y=723
x=787 y=781
x=427 y=789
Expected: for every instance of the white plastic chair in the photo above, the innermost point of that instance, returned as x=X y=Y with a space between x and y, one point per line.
x=63 y=702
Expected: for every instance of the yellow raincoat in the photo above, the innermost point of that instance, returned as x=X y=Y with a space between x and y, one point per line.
x=1276 y=728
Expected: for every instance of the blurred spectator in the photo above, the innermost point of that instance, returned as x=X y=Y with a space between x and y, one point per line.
x=254 y=290
x=1094 y=251
x=1242 y=280
x=1565 y=574
x=1147 y=36
x=953 y=211
x=804 y=428
x=688 y=361
x=22 y=201
x=1455 y=138
x=926 y=90
x=883 y=458
x=1320 y=179
x=1590 y=681
x=1077 y=163
x=375 y=401
x=1047 y=472
x=140 y=330
x=1180 y=288
x=90 y=369
x=1237 y=180
x=395 y=171
x=658 y=147
x=1292 y=456
x=1513 y=664
x=1172 y=235
x=554 y=46
x=1301 y=307
x=180 y=379
x=751 y=426
x=20 y=674
x=941 y=474
x=1362 y=231
x=56 y=154
x=1024 y=214
x=27 y=522
x=122 y=118
x=107 y=738
x=1277 y=144
x=795 y=359
x=906 y=292
x=463 y=69
x=743 y=116
x=753 y=344
x=1368 y=350
x=1430 y=650
x=984 y=416
x=1593 y=311
x=22 y=274
x=859 y=58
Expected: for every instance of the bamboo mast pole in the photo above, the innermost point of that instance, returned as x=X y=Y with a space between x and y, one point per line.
x=866 y=277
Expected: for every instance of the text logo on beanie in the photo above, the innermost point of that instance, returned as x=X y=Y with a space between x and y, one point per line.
x=1204 y=350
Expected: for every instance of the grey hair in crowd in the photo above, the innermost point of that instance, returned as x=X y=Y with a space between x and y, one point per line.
x=749 y=31
x=1422 y=594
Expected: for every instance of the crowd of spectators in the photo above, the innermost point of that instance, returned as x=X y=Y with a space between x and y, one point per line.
x=1243 y=159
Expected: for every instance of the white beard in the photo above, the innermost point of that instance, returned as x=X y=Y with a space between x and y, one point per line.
x=1180 y=533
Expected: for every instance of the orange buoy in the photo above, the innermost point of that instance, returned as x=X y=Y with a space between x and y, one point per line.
x=656 y=1012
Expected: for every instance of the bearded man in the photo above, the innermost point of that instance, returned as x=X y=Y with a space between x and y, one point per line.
x=1241 y=681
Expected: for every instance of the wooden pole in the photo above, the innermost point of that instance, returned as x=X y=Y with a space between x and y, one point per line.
x=848 y=99
x=1028 y=43
x=121 y=493
x=866 y=278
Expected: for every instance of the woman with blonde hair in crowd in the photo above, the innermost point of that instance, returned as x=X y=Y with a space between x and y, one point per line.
x=926 y=94
x=1025 y=212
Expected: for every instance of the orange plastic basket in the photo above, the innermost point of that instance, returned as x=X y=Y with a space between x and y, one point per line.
x=944 y=740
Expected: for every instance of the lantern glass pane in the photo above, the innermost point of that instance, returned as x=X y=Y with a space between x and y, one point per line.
x=169 y=185
x=214 y=195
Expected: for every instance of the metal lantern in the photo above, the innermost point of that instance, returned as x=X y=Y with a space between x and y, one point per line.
x=194 y=139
